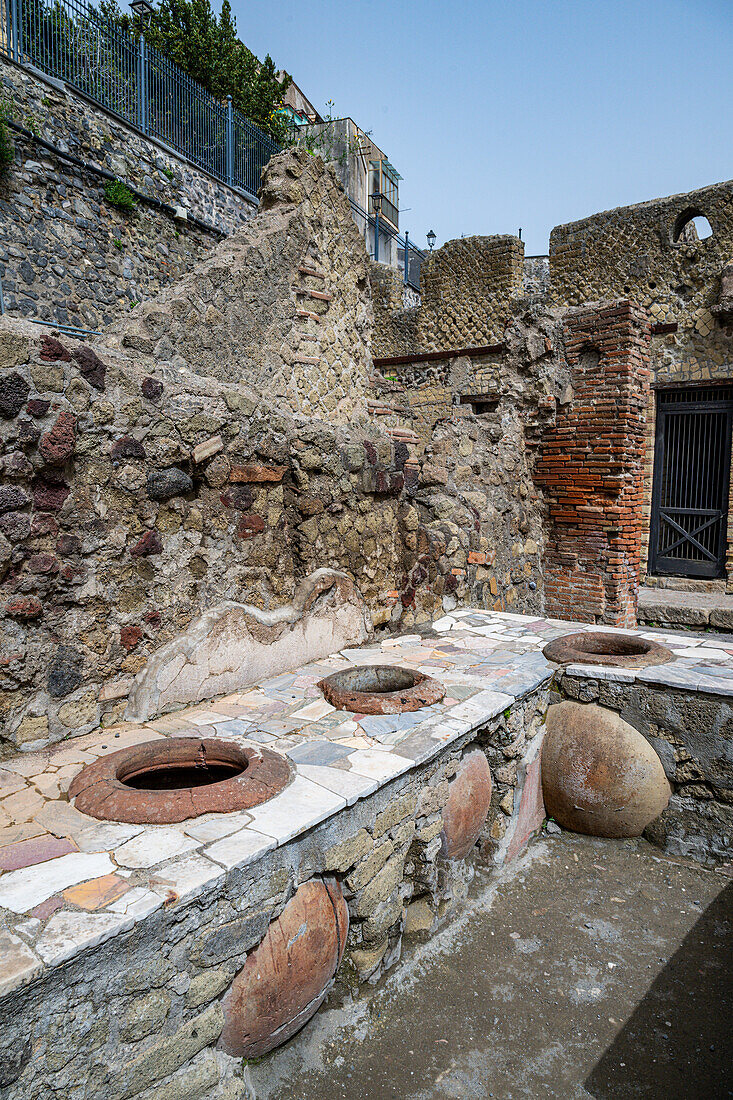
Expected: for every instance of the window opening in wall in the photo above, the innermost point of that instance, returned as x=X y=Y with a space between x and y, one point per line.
x=481 y=403
x=691 y=226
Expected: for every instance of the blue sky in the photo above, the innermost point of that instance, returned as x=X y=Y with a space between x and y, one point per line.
x=517 y=113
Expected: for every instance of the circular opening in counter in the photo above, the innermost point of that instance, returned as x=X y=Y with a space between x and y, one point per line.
x=596 y=647
x=380 y=689
x=176 y=778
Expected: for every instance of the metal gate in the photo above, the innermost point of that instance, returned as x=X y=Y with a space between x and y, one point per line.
x=691 y=479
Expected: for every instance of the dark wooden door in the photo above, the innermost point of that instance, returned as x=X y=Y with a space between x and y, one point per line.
x=691 y=480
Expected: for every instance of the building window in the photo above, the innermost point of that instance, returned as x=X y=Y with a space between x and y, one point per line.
x=384 y=191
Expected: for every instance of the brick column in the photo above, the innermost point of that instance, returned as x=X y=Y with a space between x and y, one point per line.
x=591 y=468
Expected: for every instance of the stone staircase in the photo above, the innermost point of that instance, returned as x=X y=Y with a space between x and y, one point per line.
x=682 y=609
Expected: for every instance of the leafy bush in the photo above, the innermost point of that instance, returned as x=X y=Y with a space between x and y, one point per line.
x=118 y=194
x=7 y=148
x=189 y=33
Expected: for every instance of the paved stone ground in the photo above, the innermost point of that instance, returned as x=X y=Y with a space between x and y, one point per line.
x=592 y=968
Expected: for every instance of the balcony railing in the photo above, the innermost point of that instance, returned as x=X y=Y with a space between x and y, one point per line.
x=380 y=204
x=409 y=256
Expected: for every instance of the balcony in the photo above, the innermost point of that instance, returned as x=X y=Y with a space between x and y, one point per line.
x=380 y=204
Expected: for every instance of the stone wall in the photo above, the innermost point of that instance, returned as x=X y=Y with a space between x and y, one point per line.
x=478 y=421
x=591 y=467
x=137 y=496
x=283 y=305
x=692 y=732
x=467 y=288
x=152 y=1011
x=536 y=283
x=147 y=479
x=651 y=254
x=66 y=254
x=643 y=252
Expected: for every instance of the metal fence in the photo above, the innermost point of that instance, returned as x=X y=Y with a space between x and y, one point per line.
x=70 y=40
x=385 y=244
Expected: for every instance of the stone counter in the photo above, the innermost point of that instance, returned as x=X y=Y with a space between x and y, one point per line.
x=121 y=943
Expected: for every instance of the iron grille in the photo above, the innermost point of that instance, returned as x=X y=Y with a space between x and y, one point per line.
x=691 y=481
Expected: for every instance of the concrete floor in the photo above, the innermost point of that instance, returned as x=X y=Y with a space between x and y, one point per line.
x=592 y=968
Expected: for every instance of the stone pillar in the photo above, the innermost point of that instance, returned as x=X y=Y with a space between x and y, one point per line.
x=591 y=468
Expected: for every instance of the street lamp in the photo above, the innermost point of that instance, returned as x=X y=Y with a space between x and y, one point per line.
x=142 y=9
x=431 y=240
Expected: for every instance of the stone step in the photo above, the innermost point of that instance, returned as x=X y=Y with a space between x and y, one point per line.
x=670 y=607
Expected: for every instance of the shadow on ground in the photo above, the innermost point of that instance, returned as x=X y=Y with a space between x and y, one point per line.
x=592 y=969
x=678 y=1044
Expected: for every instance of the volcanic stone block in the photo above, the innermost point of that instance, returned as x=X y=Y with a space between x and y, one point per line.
x=65 y=672
x=24 y=608
x=126 y=447
x=285 y=979
x=15 y=525
x=13 y=395
x=48 y=495
x=57 y=445
x=150 y=543
x=467 y=807
x=599 y=775
x=152 y=389
x=52 y=350
x=91 y=367
x=12 y=497
x=164 y=484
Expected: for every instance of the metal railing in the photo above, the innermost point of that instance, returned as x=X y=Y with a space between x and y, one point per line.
x=70 y=40
x=383 y=239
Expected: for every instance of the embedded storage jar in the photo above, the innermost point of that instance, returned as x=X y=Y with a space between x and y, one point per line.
x=176 y=778
x=598 y=647
x=380 y=689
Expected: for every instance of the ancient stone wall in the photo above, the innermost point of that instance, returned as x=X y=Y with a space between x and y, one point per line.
x=536 y=283
x=591 y=467
x=283 y=305
x=66 y=253
x=652 y=254
x=395 y=327
x=136 y=496
x=467 y=288
x=478 y=421
x=647 y=253
x=168 y=467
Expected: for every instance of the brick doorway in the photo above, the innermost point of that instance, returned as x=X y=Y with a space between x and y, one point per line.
x=692 y=458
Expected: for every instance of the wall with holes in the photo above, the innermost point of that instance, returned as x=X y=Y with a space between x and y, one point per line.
x=283 y=304
x=667 y=255
x=654 y=253
x=468 y=290
x=66 y=253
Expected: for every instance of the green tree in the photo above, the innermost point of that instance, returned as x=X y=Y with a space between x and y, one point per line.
x=189 y=33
